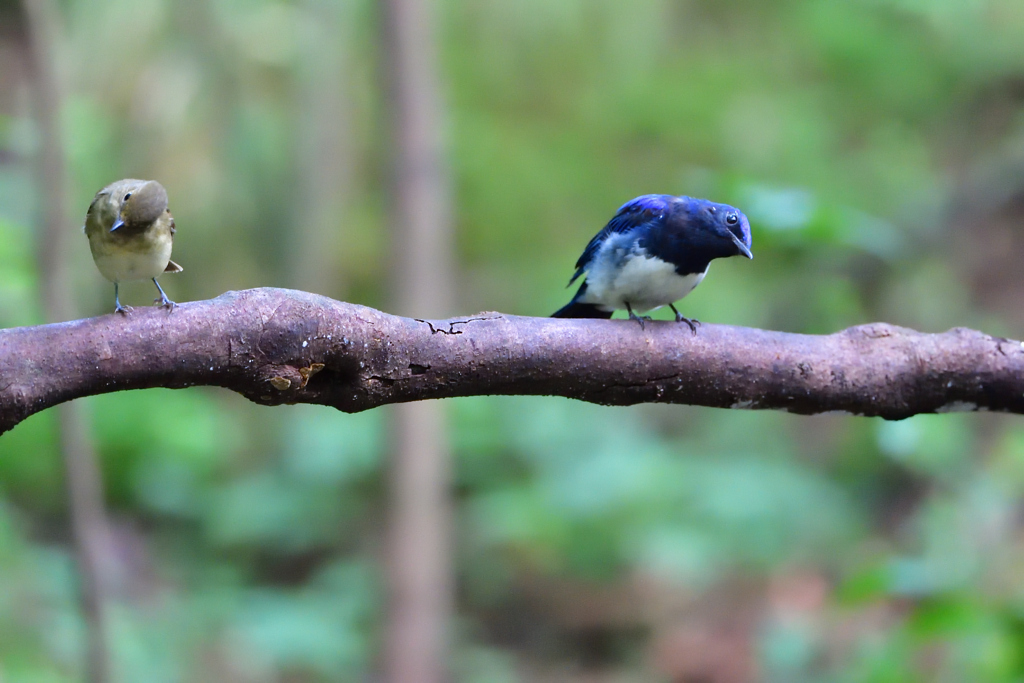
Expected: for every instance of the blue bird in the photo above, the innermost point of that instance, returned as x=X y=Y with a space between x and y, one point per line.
x=652 y=253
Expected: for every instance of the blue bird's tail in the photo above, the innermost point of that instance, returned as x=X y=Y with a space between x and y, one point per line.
x=575 y=309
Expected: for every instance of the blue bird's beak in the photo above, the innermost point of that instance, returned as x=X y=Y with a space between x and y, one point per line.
x=117 y=224
x=744 y=249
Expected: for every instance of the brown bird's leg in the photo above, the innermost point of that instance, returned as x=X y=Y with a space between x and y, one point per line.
x=123 y=310
x=163 y=301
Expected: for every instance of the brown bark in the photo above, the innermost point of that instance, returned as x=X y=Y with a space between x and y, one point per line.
x=325 y=150
x=419 y=529
x=91 y=533
x=82 y=471
x=279 y=346
x=419 y=553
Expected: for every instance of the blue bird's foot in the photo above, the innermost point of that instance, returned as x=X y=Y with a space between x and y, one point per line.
x=639 y=318
x=692 y=322
x=162 y=300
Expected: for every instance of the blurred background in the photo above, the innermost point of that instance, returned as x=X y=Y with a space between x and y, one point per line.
x=877 y=147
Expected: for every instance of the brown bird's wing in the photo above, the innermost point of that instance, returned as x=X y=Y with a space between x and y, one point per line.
x=172 y=267
x=93 y=219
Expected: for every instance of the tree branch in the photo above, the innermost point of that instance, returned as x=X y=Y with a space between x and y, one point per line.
x=279 y=346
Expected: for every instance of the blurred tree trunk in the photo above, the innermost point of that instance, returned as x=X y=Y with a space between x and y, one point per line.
x=325 y=150
x=82 y=471
x=419 y=559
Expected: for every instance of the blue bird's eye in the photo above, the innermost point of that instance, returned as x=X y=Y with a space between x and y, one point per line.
x=127 y=196
x=732 y=219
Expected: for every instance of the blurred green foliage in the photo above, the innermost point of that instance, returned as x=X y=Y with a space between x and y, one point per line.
x=878 y=148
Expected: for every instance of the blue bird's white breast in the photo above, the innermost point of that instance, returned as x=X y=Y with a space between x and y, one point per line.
x=622 y=272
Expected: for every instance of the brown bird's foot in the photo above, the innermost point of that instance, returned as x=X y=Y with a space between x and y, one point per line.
x=118 y=308
x=162 y=301
x=692 y=322
x=639 y=318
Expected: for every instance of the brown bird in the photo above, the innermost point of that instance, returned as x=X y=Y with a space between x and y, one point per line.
x=130 y=234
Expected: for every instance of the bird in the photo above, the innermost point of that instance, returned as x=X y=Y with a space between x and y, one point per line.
x=130 y=234
x=652 y=253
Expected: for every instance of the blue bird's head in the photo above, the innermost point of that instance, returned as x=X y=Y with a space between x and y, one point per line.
x=722 y=226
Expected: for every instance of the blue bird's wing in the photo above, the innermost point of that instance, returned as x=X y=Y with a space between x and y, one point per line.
x=631 y=215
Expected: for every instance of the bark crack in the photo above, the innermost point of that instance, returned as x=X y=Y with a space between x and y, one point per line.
x=451 y=324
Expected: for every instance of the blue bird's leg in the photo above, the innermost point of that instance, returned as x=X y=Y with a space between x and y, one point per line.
x=163 y=301
x=692 y=322
x=123 y=310
x=639 y=318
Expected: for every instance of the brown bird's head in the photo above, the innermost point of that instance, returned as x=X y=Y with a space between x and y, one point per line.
x=140 y=205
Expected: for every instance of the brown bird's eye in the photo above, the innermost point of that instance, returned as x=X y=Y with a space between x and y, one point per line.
x=732 y=219
x=127 y=196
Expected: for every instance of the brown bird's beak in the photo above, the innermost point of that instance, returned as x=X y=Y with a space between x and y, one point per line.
x=117 y=224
